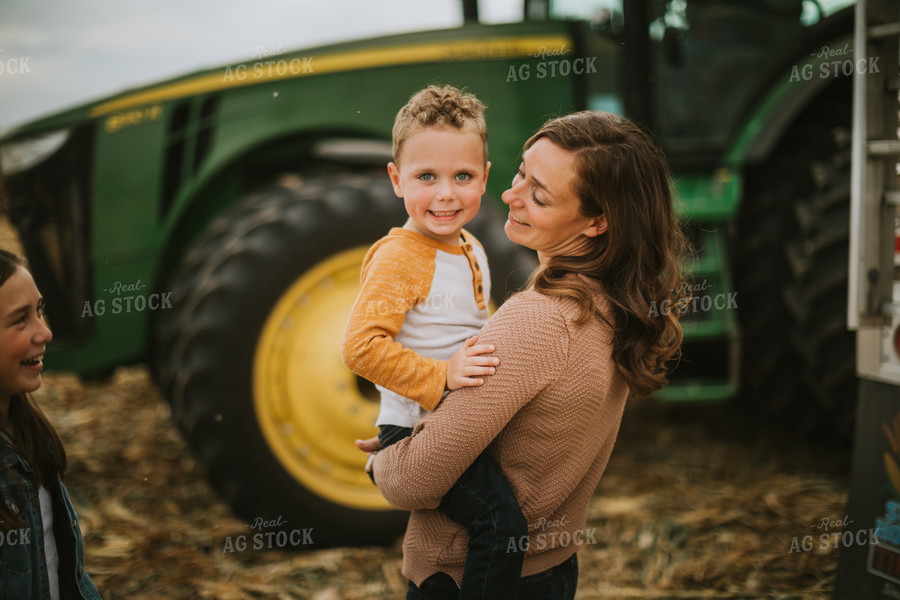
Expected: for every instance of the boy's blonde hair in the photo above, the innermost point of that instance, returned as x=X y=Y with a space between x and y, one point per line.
x=437 y=106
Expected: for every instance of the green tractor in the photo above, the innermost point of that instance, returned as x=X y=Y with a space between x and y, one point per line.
x=213 y=225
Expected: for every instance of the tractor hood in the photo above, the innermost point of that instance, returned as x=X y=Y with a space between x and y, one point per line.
x=466 y=43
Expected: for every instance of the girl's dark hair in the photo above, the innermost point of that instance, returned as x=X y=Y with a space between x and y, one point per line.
x=622 y=173
x=32 y=435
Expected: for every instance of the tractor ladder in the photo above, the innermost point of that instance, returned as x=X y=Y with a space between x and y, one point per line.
x=869 y=569
x=874 y=286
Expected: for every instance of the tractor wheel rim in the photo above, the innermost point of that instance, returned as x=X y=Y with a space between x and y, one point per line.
x=309 y=406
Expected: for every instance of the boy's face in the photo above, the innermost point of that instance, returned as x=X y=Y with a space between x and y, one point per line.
x=441 y=177
x=23 y=335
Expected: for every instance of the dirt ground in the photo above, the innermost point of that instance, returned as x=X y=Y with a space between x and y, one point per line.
x=694 y=504
x=697 y=502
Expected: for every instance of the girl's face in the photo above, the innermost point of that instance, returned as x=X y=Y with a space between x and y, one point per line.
x=544 y=211
x=23 y=335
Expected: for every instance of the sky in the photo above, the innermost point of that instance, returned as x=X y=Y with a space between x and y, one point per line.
x=55 y=54
x=66 y=52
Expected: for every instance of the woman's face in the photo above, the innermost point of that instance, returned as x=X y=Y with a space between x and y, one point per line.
x=544 y=212
x=23 y=335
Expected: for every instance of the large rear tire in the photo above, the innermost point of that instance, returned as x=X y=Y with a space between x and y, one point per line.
x=798 y=357
x=249 y=356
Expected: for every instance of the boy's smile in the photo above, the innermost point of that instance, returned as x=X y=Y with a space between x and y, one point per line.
x=441 y=177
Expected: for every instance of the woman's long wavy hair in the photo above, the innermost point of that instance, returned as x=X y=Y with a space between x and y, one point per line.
x=32 y=435
x=623 y=174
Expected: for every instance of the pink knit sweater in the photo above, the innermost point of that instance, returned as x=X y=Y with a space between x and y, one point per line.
x=549 y=417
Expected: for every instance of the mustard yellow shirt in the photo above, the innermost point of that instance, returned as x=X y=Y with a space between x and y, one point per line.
x=420 y=300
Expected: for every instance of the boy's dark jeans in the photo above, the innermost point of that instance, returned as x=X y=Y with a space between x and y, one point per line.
x=482 y=502
x=558 y=583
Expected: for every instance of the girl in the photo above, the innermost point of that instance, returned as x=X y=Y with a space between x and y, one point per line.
x=41 y=554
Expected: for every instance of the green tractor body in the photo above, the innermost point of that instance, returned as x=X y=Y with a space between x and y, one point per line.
x=213 y=225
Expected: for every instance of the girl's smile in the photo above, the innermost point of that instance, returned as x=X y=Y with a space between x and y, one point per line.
x=23 y=335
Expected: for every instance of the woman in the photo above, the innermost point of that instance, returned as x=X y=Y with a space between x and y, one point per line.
x=592 y=197
x=41 y=556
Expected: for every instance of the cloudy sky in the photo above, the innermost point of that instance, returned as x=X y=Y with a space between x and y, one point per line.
x=66 y=52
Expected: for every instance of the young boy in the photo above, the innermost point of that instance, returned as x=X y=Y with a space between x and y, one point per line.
x=425 y=289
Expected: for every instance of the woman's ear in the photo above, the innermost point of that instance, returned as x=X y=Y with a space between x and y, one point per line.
x=597 y=226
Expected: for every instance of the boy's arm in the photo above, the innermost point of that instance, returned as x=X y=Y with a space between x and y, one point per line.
x=532 y=339
x=394 y=279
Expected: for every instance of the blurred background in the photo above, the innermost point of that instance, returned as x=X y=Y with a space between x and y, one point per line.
x=195 y=185
x=79 y=52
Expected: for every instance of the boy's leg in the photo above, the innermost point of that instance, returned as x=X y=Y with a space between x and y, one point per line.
x=558 y=583
x=439 y=586
x=391 y=434
x=482 y=501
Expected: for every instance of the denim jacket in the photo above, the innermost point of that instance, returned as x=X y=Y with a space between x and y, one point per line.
x=23 y=572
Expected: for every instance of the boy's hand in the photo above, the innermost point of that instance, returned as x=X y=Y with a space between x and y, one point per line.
x=466 y=364
x=369 y=445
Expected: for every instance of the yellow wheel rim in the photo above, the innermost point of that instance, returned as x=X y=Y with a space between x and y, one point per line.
x=309 y=405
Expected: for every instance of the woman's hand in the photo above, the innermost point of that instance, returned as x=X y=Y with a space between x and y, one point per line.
x=467 y=363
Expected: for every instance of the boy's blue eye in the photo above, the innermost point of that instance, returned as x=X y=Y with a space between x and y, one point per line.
x=427 y=177
x=463 y=176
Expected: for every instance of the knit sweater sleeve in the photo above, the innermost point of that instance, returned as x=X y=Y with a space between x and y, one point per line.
x=532 y=343
x=395 y=277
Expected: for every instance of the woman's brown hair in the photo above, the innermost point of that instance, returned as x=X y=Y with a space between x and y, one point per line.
x=623 y=174
x=33 y=437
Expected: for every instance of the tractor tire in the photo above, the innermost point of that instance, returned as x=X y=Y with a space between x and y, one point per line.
x=798 y=359
x=249 y=356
